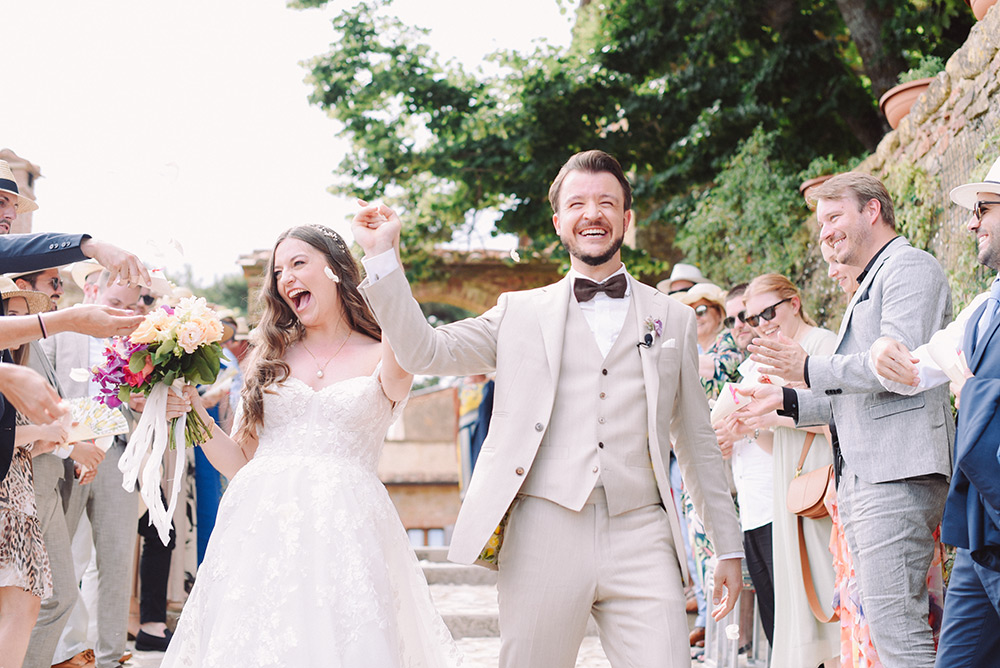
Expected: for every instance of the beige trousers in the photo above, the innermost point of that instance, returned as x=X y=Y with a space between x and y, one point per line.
x=558 y=567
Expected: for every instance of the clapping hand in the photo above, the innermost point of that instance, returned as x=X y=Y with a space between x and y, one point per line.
x=376 y=228
x=780 y=357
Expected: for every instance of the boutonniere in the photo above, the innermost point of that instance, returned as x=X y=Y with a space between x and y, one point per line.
x=654 y=329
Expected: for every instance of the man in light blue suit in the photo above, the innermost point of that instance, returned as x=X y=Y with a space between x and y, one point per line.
x=970 y=634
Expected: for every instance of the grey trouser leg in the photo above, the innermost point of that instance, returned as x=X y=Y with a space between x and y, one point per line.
x=48 y=470
x=889 y=528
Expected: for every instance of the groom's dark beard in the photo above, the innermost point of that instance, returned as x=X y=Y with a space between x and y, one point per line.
x=598 y=260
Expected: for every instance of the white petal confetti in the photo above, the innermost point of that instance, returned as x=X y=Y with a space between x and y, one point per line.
x=80 y=375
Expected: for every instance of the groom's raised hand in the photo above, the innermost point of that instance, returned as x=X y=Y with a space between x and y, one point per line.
x=376 y=228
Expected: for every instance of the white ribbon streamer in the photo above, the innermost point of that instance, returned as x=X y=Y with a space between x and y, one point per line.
x=150 y=437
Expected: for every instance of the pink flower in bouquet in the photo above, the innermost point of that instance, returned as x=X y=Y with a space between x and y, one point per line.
x=191 y=335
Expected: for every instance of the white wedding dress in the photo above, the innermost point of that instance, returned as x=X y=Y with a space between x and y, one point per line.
x=308 y=564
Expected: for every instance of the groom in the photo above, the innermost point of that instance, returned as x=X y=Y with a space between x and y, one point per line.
x=595 y=376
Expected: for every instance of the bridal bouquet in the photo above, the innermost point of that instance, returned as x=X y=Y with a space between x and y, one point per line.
x=169 y=348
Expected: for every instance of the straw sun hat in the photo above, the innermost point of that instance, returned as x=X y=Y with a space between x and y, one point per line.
x=708 y=291
x=9 y=185
x=38 y=302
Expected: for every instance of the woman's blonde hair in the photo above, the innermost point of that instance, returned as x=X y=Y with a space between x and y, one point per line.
x=781 y=286
x=279 y=327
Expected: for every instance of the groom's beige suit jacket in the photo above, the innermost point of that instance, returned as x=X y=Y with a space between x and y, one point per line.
x=522 y=339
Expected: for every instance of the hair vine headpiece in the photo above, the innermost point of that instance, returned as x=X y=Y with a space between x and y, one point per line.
x=337 y=239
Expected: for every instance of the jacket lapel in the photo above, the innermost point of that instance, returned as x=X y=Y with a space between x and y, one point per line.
x=551 y=312
x=867 y=283
x=971 y=336
x=645 y=304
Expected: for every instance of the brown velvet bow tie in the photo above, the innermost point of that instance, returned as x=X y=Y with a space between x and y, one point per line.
x=584 y=289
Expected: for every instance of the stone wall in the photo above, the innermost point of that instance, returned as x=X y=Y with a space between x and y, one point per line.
x=952 y=134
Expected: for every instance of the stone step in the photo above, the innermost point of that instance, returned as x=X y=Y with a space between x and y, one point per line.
x=485 y=653
x=471 y=611
x=438 y=554
x=456 y=574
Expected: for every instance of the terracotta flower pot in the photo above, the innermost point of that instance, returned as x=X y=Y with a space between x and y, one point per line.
x=980 y=7
x=896 y=101
x=808 y=186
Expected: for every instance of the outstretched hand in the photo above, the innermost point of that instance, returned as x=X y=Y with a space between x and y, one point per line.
x=122 y=266
x=98 y=320
x=376 y=228
x=893 y=361
x=780 y=357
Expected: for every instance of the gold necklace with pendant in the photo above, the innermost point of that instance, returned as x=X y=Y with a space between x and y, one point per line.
x=321 y=369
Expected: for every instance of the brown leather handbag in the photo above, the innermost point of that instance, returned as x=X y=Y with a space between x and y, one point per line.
x=806 y=491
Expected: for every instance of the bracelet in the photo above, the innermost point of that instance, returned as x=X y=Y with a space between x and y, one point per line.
x=41 y=325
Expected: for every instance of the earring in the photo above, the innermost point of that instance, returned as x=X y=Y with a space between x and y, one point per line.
x=329 y=274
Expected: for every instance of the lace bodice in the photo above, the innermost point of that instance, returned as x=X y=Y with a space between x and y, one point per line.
x=347 y=420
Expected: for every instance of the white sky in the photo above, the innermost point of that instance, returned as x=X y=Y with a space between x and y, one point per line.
x=189 y=120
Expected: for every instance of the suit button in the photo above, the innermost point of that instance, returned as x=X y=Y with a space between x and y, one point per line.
x=595 y=469
x=834 y=391
x=603 y=395
x=539 y=426
x=519 y=471
x=601 y=444
x=600 y=420
x=604 y=372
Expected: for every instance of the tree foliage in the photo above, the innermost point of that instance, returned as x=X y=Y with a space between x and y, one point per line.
x=673 y=88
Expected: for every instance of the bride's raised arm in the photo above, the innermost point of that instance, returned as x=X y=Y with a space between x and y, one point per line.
x=225 y=454
x=395 y=380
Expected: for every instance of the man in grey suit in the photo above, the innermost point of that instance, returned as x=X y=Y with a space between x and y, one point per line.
x=54 y=481
x=596 y=378
x=112 y=511
x=896 y=449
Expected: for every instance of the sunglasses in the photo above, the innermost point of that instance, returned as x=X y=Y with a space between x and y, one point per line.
x=767 y=314
x=147 y=299
x=56 y=283
x=730 y=321
x=977 y=208
x=701 y=310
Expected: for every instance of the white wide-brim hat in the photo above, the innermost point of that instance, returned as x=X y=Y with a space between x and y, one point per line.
x=967 y=195
x=38 y=302
x=9 y=185
x=681 y=272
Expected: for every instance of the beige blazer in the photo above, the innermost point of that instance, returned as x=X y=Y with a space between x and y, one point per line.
x=521 y=338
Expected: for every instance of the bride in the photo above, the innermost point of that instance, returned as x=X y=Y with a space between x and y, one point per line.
x=309 y=564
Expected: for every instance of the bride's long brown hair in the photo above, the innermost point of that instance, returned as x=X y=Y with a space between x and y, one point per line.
x=279 y=327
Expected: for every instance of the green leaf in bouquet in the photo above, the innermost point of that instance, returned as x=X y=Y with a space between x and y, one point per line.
x=165 y=349
x=170 y=377
x=124 y=394
x=138 y=361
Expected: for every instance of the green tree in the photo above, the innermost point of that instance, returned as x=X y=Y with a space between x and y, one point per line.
x=670 y=87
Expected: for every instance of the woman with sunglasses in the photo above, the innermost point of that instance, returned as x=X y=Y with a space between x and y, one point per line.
x=718 y=356
x=774 y=309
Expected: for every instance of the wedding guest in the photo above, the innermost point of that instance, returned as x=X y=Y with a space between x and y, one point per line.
x=971 y=629
x=891 y=496
x=774 y=308
x=682 y=278
x=54 y=480
x=25 y=576
x=753 y=476
x=110 y=509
